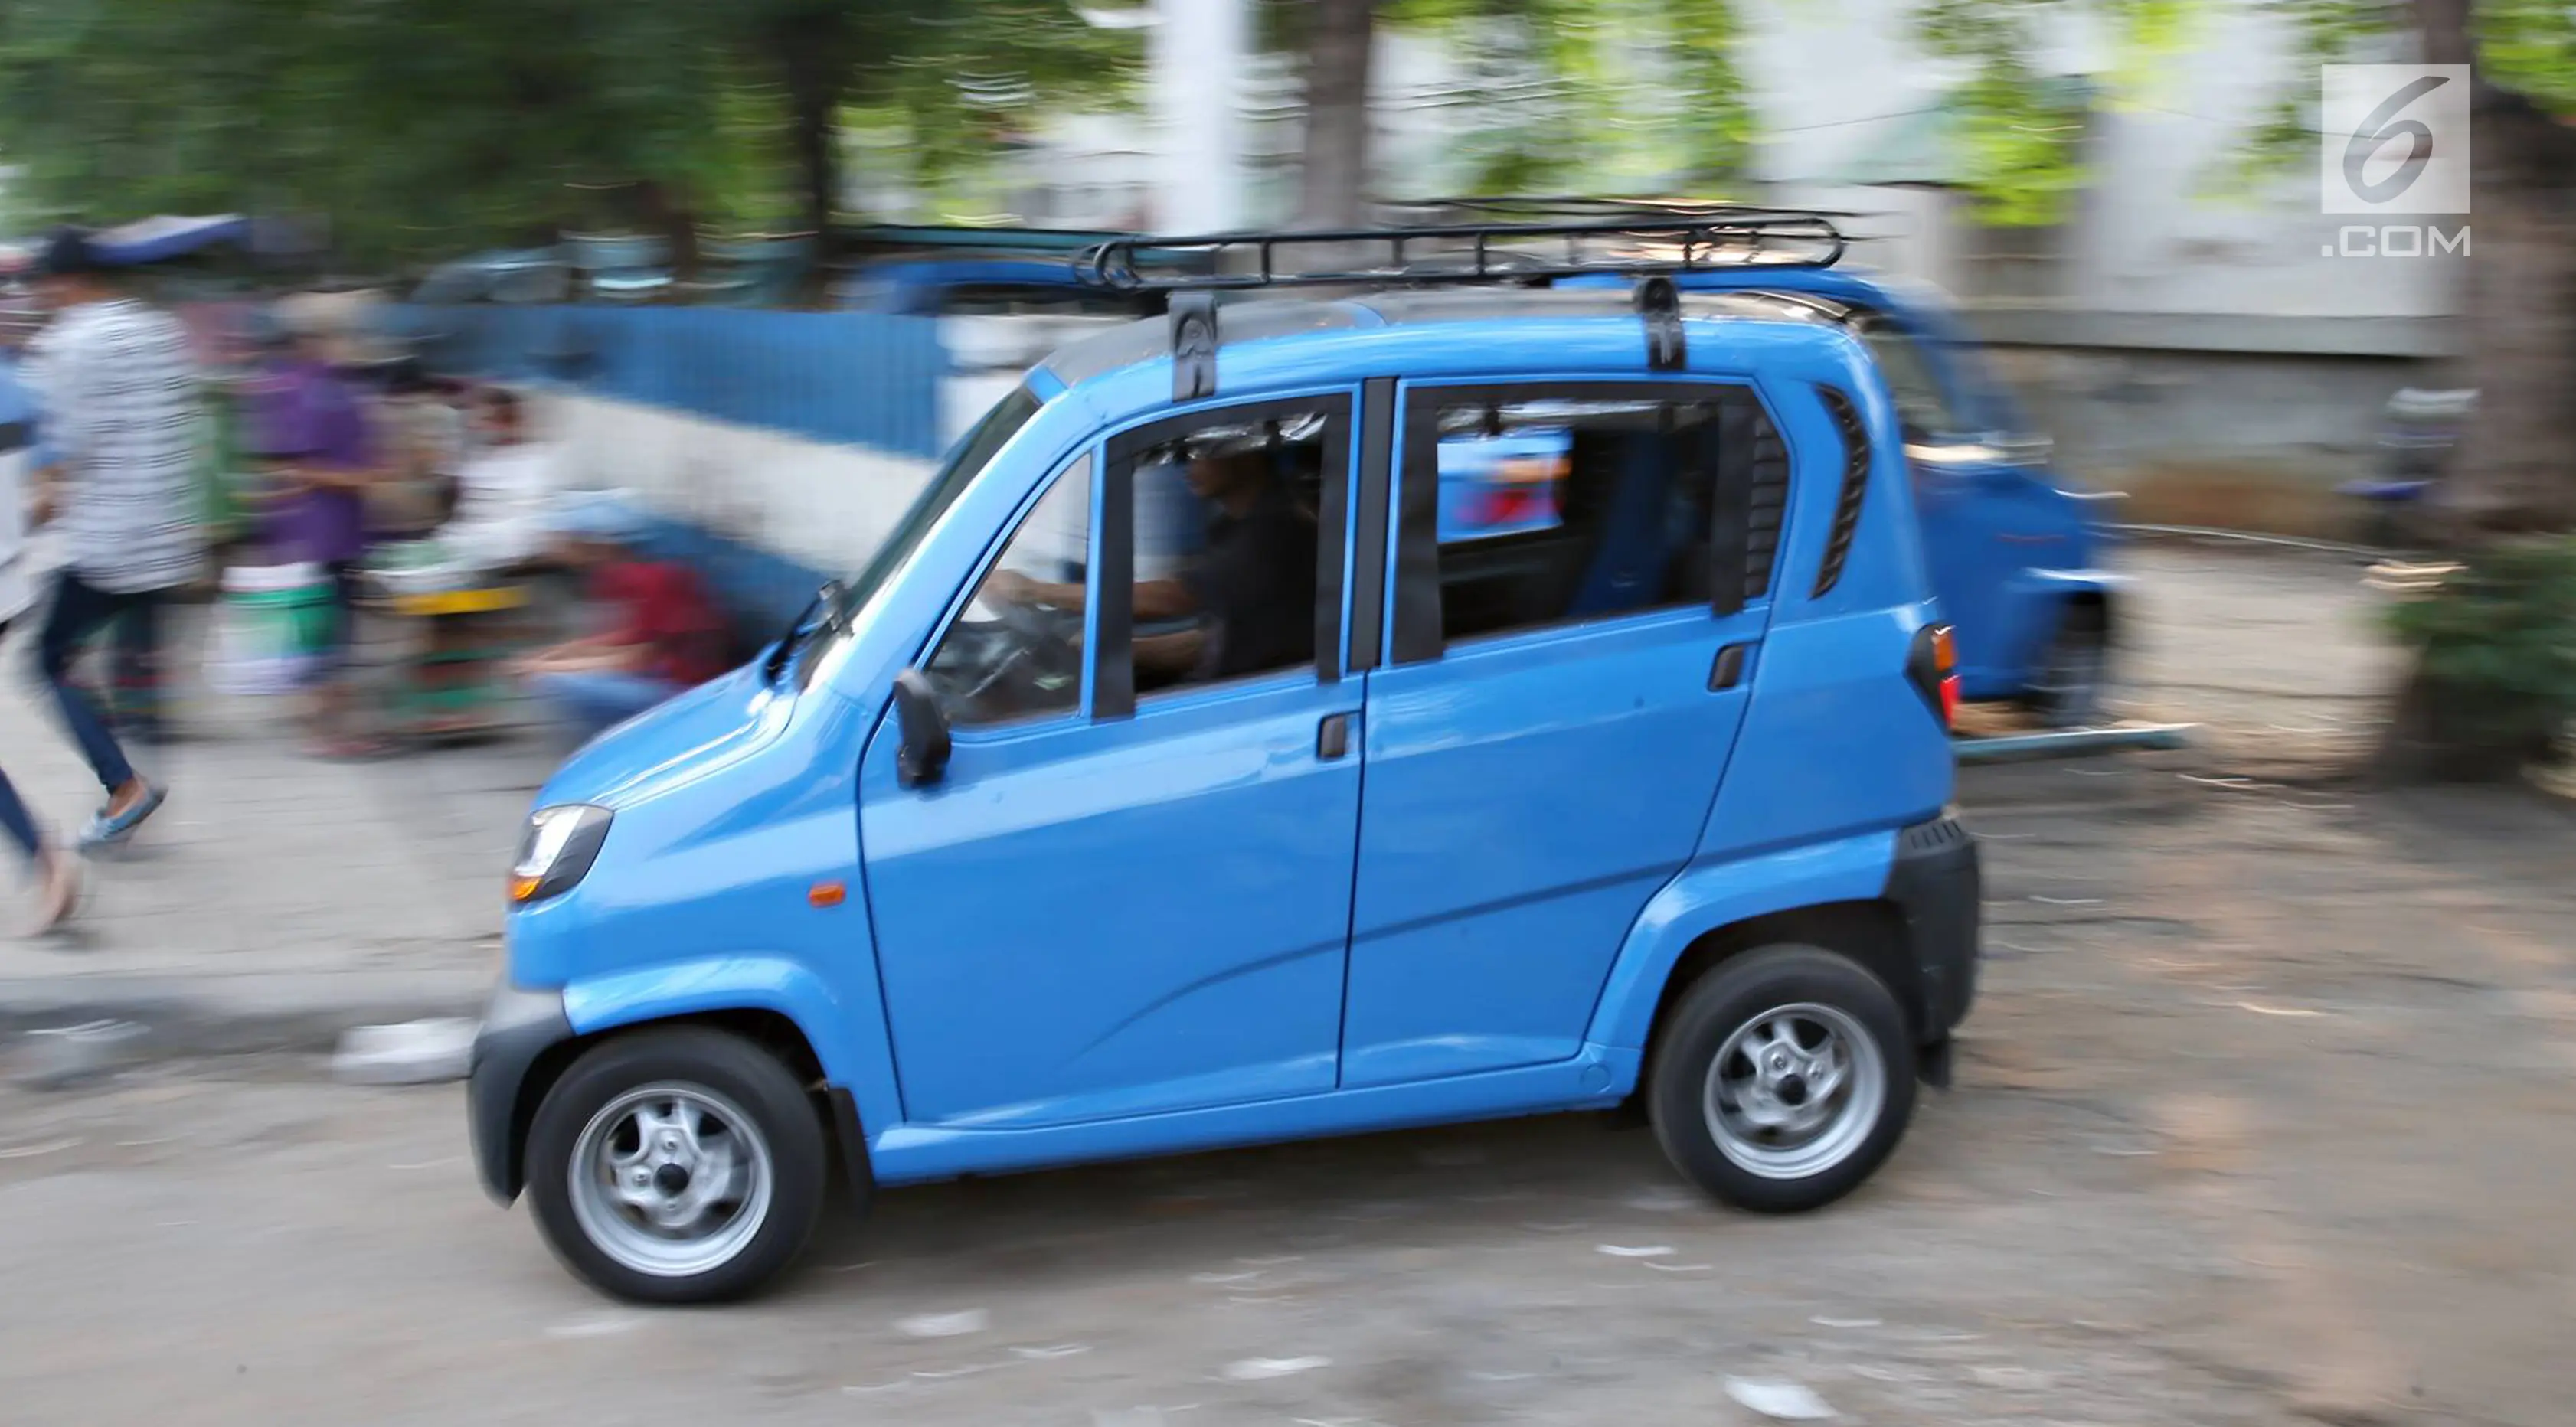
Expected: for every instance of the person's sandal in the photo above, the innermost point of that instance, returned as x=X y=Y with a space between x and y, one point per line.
x=58 y=891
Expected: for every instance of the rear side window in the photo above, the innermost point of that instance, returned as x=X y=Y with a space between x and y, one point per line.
x=1855 y=486
x=1548 y=507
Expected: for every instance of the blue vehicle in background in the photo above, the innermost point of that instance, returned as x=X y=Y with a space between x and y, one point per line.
x=1547 y=710
x=2015 y=553
x=931 y=271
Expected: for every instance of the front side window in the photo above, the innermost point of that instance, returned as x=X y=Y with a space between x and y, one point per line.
x=1016 y=651
x=1213 y=566
x=1553 y=507
x=1228 y=532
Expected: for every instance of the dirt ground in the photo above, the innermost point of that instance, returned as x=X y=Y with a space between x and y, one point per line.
x=2265 y=1115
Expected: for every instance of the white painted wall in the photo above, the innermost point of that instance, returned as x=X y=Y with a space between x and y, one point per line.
x=827 y=507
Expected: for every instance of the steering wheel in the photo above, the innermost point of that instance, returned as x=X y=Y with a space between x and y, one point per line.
x=1049 y=638
x=1017 y=657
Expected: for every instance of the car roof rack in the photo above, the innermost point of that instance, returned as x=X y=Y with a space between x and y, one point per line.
x=1452 y=254
x=1572 y=208
x=1651 y=248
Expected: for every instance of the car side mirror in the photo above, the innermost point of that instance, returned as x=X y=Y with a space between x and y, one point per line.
x=922 y=755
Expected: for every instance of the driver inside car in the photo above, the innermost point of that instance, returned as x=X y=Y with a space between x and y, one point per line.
x=1249 y=592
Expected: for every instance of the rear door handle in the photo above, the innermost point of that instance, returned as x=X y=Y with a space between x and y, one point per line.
x=1333 y=737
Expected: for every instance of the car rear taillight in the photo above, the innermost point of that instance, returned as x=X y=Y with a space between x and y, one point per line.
x=1933 y=665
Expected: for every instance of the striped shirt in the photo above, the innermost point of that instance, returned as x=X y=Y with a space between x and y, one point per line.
x=117 y=383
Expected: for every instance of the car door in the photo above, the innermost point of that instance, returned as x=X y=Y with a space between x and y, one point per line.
x=1133 y=896
x=1580 y=584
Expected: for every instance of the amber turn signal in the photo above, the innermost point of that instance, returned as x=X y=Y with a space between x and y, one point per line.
x=827 y=894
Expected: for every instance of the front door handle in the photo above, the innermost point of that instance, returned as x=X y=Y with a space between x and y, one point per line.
x=1333 y=738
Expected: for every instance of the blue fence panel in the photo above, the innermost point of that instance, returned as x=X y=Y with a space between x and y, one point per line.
x=857 y=378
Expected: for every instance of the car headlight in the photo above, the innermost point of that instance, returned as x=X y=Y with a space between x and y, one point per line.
x=560 y=845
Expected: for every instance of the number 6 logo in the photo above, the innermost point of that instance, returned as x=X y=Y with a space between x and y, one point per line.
x=2377 y=129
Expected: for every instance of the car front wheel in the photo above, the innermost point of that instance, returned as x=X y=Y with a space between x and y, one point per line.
x=677 y=1166
x=1782 y=1079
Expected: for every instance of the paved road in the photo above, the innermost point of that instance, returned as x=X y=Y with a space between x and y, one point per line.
x=2266 y=1117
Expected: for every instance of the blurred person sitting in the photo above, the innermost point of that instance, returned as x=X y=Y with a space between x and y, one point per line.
x=309 y=431
x=662 y=635
x=423 y=436
x=504 y=481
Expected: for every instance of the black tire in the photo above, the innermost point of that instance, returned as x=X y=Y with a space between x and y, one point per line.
x=2075 y=674
x=738 y=1073
x=1741 y=993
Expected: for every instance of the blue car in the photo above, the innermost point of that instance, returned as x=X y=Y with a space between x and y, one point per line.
x=1071 y=829
x=2015 y=554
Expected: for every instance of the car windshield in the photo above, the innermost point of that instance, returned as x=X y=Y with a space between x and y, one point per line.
x=965 y=460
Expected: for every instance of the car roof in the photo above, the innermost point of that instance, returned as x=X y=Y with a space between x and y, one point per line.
x=1358 y=335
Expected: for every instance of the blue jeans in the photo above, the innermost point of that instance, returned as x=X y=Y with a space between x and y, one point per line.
x=79 y=611
x=15 y=822
x=595 y=699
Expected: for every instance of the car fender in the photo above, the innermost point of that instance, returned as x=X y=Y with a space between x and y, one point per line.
x=738 y=981
x=1710 y=895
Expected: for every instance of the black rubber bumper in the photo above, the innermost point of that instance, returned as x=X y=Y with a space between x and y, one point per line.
x=1935 y=886
x=518 y=1027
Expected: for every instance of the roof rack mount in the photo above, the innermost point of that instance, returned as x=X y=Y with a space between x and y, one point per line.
x=1464 y=254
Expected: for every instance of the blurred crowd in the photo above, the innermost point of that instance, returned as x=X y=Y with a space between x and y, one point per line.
x=324 y=483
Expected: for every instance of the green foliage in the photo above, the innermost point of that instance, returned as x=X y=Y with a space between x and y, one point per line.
x=2497 y=645
x=414 y=127
x=1636 y=88
x=2020 y=136
x=2530 y=46
x=2526 y=45
x=959 y=80
x=423 y=128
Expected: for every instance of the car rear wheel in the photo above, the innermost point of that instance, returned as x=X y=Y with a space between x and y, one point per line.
x=2075 y=675
x=1782 y=1079
x=677 y=1166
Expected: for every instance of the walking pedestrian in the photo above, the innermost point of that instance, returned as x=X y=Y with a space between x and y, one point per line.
x=54 y=873
x=115 y=378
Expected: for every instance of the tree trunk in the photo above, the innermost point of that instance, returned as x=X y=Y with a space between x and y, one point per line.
x=814 y=136
x=2513 y=470
x=812 y=48
x=677 y=223
x=1333 y=186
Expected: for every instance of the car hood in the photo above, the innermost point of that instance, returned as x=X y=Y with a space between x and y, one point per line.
x=694 y=734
